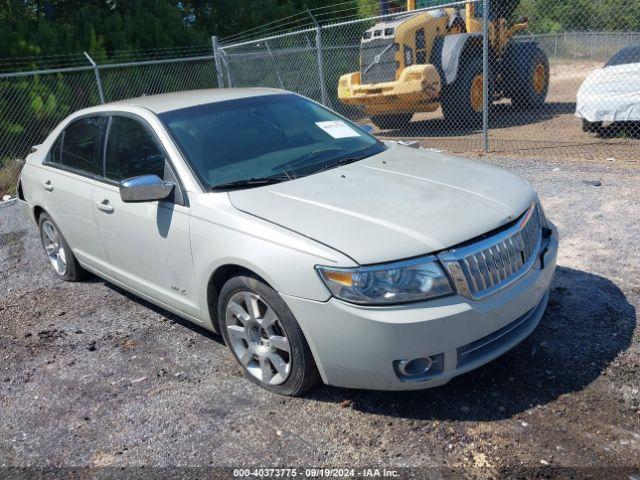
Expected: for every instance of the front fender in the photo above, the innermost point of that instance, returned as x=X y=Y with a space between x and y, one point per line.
x=286 y=260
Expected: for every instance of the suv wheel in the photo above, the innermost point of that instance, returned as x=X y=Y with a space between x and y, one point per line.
x=265 y=338
x=591 y=127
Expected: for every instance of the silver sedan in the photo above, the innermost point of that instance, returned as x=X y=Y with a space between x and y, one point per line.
x=316 y=250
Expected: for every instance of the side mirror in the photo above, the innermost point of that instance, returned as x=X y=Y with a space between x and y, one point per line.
x=366 y=127
x=145 y=188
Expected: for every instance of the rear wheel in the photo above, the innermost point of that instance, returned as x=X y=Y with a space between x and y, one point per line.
x=265 y=338
x=58 y=252
x=386 y=122
x=462 y=101
x=529 y=77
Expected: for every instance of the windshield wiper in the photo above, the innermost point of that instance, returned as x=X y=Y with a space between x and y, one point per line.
x=342 y=161
x=315 y=154
x=251 y=182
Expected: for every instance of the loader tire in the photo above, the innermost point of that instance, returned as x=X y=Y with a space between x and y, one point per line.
x=387 y=122
x=462 y=100
x=528 y=75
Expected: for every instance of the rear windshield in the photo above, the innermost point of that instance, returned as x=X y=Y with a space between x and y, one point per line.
x=626 y=55
x=265 y=136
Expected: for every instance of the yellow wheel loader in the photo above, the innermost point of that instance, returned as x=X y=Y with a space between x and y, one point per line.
x=422 y=60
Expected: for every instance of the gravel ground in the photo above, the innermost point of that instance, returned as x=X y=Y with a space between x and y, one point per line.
x=91 y=376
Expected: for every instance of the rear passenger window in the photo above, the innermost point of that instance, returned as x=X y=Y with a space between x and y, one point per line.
x=132 y=151
x=81 y=145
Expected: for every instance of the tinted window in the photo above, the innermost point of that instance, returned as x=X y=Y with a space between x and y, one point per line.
x=257 y=137
x=132 y=151
x=626 y=55
x=56 y=150
x=81 y=145
x=420 y=43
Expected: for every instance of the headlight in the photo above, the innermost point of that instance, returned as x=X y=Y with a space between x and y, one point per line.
x=398 y=282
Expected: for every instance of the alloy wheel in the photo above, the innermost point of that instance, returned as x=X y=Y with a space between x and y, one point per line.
x=257 y=338
x=53 y=246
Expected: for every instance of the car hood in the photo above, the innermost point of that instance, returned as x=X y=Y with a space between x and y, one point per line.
x=401 y=203
x=610 y=94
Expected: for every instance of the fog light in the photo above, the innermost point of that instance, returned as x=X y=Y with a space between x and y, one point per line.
x=417 y=366
x=420 y=368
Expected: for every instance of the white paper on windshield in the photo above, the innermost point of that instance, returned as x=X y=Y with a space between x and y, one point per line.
x=337 y=129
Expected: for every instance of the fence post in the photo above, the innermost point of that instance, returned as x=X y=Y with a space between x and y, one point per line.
x=226 y=66
x=216 y=60
x=96 y=71
x=485 y=76
x=555 y=52
x=275 y=65
x=323 y=90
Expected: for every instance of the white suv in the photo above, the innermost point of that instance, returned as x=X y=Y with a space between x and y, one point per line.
x=317 y=251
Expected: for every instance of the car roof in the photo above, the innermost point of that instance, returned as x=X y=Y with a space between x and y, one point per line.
x=174 y=101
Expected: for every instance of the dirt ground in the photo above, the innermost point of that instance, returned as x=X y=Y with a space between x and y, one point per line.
x=552 y=132
x=90 y=376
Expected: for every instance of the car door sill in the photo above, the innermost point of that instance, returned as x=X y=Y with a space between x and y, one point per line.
x=144 y=296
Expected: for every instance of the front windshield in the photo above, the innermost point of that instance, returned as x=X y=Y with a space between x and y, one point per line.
x=627 y=55
x=282 y=135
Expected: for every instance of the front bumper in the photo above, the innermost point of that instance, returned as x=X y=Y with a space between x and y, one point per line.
x=356 y=346
x=417 y=89
x=608 y=108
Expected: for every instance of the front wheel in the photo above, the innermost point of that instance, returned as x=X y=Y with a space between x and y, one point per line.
x=265 y=338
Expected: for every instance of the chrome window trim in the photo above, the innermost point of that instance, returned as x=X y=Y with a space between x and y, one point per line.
x=168 y=160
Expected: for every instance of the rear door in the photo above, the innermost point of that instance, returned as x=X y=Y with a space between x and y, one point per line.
x=147 y=243
x=68 y=177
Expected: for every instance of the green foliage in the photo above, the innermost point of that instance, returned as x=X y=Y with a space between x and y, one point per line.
x=49 y=27
x=581 y=15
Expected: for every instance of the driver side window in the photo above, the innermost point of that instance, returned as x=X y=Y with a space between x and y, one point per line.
x=132 y=151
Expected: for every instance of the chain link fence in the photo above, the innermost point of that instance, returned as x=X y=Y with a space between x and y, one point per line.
x=466 y=77
x=428 y=75
x=33 y=101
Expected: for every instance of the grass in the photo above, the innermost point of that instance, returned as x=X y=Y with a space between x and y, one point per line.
x=9 y=172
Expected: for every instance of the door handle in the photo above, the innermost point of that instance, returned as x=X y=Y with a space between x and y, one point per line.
x=47 y=186
x=104 y=206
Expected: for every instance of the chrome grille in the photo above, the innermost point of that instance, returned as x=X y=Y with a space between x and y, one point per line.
x=481 y=268
x=378 y=61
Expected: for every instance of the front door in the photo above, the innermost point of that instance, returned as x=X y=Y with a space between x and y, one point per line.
x=147 y=243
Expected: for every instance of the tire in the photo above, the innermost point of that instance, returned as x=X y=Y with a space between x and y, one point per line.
x=528 y=75
x=461 y=105
x=63 y=263
x=387 y=122
x=251 y=316
x=591 y=127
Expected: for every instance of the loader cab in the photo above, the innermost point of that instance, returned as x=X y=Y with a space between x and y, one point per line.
x=393 y=45
x=422 y=60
